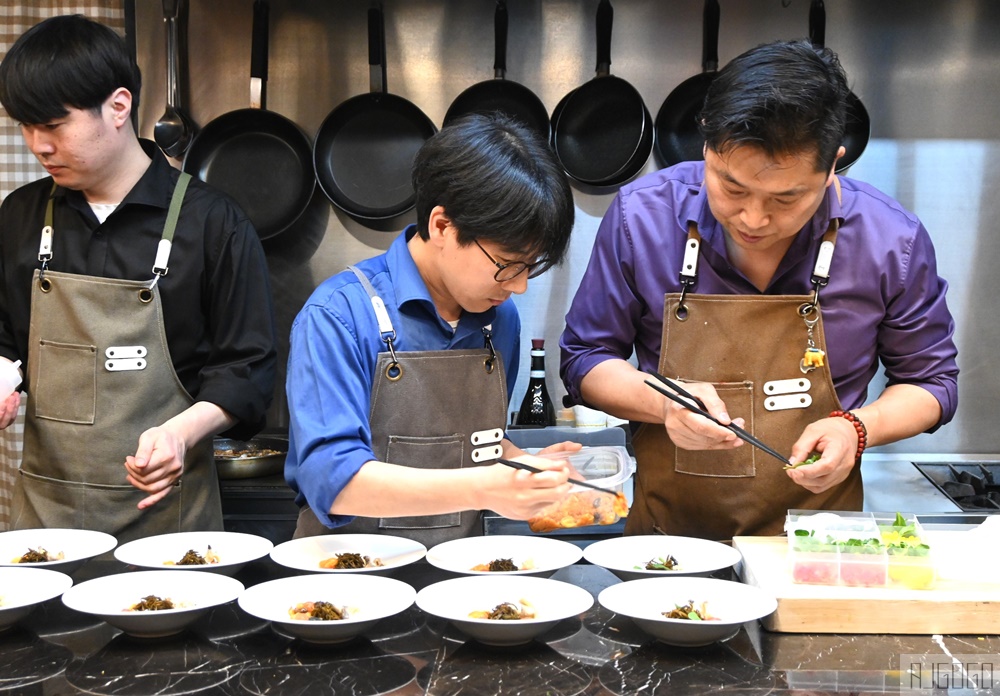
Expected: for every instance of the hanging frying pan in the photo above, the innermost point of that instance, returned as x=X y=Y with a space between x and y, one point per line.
x=259 y=157
x=364 y=148
x=500 y=94
x=858 y=124
x=677 y=137
x=602 y=132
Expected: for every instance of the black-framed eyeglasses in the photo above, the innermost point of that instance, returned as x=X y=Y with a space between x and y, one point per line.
x=509 y=271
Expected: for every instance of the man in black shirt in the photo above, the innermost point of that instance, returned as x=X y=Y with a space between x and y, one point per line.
x=136 y=298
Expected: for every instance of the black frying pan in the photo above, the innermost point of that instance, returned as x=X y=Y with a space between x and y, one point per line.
x=500 y=94
x=259 y=157
x=859 y=125
x=364 y=148
x=677 y=136
x=602 y=132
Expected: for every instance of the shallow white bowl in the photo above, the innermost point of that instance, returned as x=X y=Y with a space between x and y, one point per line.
x=694 y=556
x=544 y=556
x=733 y=603
x=552 y=601
x=76 y=545
x=307 y=552
x=109 y=598
x=235 y=550
x=368 y=599
x=22 y=588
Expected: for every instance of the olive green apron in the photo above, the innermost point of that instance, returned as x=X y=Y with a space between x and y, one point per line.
x=436 y=409
x=751 y=349
x=99 y=375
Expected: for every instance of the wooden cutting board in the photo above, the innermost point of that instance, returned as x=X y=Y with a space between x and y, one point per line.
x=949 y=607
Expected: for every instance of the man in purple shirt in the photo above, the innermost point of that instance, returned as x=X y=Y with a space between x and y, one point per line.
x=772 y=288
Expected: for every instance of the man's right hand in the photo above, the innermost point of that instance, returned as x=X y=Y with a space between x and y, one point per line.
x=692 y=431
x=8 y=409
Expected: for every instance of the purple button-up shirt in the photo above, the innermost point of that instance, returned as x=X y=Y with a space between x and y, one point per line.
x=885 y=300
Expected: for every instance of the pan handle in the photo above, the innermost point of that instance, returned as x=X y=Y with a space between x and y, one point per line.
x=258 y=55
x=605 y=21
x=376 y=50
x=817 y=23
x=710 y=36
x=500 y=21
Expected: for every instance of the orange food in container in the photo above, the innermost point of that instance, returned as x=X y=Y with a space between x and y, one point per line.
x=608 y=467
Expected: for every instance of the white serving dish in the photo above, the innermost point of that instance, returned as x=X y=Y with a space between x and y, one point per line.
x=307 y=552
x=542 y=556
x=110 y=597
x=22 y=588
x=694 y=556
x=235 y=550
x=368 y=598
x=76 y=545
x=455 y=599
x=644 y=601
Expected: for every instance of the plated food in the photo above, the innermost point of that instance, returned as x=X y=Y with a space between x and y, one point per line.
x=376 y=554
x=325 y=607
x=224 y=553
x=530 y=605
x=135 y=602
x=64 y=550
x=350 y=561
x=650 y=555
x=504 y=554
x=25 y=587
x=688 y=611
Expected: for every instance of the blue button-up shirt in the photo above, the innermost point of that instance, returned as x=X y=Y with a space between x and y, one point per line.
x=335 y=343
x=885 y=300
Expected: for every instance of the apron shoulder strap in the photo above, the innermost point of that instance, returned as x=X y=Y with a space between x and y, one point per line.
x=385 y=328
x=170 y=226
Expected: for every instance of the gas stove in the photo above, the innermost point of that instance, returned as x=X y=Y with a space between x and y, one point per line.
x=973 y=486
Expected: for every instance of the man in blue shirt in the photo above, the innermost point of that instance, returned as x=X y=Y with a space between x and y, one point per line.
x=399 y=369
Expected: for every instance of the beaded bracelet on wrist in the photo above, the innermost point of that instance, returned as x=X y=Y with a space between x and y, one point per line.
x=859 y=427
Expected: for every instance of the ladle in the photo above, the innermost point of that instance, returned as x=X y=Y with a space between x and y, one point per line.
x=173 y=132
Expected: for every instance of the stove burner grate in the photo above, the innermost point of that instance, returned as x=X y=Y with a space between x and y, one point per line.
x=970 y=485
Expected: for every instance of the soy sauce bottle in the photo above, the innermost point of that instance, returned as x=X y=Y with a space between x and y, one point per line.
x=537 y=410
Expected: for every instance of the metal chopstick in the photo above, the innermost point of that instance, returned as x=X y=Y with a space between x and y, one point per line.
x=536 y=470
x=740 y=432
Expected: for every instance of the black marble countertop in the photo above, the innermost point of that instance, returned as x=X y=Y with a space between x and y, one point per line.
x=56 y=650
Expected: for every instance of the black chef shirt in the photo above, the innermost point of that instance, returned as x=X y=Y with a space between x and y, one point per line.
x=216 y=295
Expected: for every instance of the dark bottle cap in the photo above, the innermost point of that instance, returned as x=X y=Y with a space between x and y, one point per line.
x=537 y=343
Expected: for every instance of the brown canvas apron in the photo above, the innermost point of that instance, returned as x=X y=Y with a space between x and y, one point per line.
x=744 y=345
x=437 y=409
x=100 y=375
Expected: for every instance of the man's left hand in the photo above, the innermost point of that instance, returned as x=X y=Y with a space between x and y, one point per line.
x=837 y=442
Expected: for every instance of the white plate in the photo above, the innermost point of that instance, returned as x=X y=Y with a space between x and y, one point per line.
x=307 y=552
x=455 y=599
x=694 y=556
x=235 y=550
x=76 y=545
x=544 y=556
x=733 y=603
x=24 y=587
x=368 y=599
x=110 y=597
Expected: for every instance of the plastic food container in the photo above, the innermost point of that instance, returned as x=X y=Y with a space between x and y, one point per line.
x=608 y=467
x=843 y=548
x=911 y=563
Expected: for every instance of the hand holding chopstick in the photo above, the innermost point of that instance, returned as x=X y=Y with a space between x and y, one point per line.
x=536 y=470
x=693 y=403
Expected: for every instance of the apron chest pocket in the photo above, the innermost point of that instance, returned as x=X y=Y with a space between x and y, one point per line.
x=438 y=452
x=739 y=462
x=65 y=384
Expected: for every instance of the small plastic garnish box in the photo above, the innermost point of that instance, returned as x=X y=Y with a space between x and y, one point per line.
x=911 y=561
x=830 y=548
